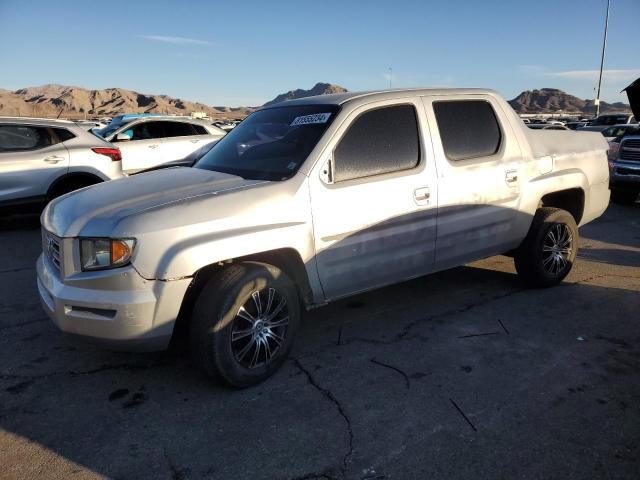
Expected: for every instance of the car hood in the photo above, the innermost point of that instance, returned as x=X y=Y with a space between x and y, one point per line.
x=96 y=210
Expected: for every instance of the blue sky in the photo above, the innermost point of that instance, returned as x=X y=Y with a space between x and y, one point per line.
x=245 y=52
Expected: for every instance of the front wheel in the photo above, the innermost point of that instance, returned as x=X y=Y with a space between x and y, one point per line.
x=549 y=250
x=244 y=323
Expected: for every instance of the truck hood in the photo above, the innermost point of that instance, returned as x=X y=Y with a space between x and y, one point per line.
x=633 y=94
x=96 y=210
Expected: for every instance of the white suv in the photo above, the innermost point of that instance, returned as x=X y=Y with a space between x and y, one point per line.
x=149 y=141
x=41 y=159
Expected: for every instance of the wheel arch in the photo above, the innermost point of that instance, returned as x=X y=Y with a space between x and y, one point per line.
x=68 y=178
x=288 y=260
x=571 y=199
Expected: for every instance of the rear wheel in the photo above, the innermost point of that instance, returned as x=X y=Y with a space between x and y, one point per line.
x=549 y=250
x=244 y=323
x=623 y=197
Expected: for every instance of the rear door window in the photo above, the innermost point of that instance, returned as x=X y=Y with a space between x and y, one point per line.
x=178 y=129
x=16 y=138
x=199 y=129
x=379 y=141
x=468 y=129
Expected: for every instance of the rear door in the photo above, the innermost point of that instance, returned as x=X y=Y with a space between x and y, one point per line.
x=374 y=219
x=31 y=158
x=181 y=139
x=479 y=162
x=145 y=149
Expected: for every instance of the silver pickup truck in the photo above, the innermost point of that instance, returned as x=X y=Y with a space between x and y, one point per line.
x=309 y=201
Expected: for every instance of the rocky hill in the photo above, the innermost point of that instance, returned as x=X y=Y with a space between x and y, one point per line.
x=318 y=89
x=76 y=102
x=551 y=100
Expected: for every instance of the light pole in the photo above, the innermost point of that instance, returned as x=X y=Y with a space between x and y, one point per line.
x=390 y=76
x=604 y=47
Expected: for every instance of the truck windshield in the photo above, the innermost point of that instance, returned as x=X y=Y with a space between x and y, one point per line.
x=270 y=144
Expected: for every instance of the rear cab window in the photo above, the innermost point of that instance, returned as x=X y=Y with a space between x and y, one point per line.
x=469 y=129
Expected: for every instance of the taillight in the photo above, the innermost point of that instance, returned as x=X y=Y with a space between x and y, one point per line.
x=113 y=153
x=614 y=148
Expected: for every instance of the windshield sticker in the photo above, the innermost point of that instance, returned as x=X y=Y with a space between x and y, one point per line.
x=310 y=119
x=291 y=165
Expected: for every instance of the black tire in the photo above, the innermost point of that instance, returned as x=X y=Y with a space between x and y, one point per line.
x=216 y=316
x=623 y=197
x=537 y=263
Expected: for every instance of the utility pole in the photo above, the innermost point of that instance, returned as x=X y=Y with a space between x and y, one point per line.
x=390 y=76
x=604 y=47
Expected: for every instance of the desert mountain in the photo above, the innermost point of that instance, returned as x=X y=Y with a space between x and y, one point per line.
x=551 y=100
x=318 y=89
x=76 y=102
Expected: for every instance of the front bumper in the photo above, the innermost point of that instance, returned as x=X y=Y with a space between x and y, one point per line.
x=625 y=176
x=117 y=308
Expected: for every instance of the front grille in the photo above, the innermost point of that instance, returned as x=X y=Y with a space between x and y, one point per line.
x=52 y=248
x=630 y=150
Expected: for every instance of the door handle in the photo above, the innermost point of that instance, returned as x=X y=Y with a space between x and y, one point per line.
x=195 y=140
x=511 y=176
x=53 y=159
x=154 y=146
x=421 y=195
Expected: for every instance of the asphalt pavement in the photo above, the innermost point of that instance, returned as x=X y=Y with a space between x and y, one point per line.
x=460 y=375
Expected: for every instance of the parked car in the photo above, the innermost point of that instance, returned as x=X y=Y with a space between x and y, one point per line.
x=547 y=126
x=42 y=159
x=603 y=121
x=354 y=191
x=575 y=125
x=614 y=131
x=148 y=141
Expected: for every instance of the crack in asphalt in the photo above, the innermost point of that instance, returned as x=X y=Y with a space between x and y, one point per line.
x=395 y=369
x=463 y=415
x=176 y=473
x=408 y=327
x=73 y=373
x=18 y=269
x=331 y=397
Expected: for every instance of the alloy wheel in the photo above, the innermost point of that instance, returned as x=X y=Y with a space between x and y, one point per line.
x=260 y=328
x=557 y=249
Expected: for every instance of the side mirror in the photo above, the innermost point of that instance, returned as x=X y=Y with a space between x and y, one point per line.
x=122 y=137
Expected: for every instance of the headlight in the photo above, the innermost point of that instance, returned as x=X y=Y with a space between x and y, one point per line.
x=103 y=253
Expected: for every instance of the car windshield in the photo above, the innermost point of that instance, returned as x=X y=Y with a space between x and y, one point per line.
x=270 y=144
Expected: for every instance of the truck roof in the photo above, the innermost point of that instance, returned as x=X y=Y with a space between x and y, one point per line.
x=367 y=96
